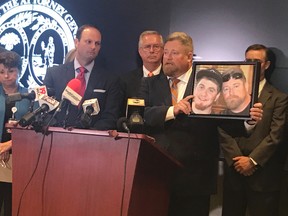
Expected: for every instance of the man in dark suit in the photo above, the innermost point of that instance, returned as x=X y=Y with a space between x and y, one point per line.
x=99 y=84
x=254 y=164
x=150 y=49
x=193 y=141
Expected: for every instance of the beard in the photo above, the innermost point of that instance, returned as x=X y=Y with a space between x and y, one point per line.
x=169 y=69
x=233 y=102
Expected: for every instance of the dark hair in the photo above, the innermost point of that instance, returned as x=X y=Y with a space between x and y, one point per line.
x=212 y=75
x=11 y=59
x=82 y=28
x=258 y=47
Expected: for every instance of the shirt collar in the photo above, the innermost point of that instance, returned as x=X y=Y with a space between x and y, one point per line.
x=261 y=86
x=155 y=72
x=184 y=78
x=88 y=67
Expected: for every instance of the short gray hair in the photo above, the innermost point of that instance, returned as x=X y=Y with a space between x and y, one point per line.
x=149 y=32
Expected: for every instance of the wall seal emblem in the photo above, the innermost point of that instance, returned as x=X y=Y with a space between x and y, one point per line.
x=41 y=31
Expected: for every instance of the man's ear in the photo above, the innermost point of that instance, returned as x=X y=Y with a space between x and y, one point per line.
x=267 y=64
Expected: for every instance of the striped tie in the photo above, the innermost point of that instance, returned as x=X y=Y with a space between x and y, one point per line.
x=174 y=90
x=150 y=74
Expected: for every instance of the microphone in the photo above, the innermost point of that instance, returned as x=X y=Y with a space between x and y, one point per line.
x=46 y=104
x=71 y=94
x=134 y=114
x=28 y=118
x=33 y=95
x=122 y=124
x=90 y=107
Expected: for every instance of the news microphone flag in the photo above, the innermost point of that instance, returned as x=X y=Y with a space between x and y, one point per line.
x=72 y=92
x=93 y=103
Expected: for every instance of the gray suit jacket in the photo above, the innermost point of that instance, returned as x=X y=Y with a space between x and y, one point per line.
x=264 y=144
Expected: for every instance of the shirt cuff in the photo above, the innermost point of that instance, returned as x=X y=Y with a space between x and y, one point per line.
x=253 y=161
x=170 y=114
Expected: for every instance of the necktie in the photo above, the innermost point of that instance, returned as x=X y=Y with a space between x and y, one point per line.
x=150 y=74
x=81 y=77
x=174 y=90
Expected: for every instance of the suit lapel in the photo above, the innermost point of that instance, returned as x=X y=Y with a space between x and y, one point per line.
x=70 y=72
x=266 y=93
x=165 y=88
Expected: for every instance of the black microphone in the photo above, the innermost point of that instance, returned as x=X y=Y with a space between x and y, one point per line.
x=30 y=96
x=90 y=107
x=86 y=117
x=28 y=118
x=122 y=124
x=46 y=104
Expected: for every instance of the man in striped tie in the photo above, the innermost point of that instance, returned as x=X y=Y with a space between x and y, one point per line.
x=150 y=49
x=192 y=141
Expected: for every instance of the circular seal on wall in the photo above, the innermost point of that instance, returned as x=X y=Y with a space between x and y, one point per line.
x=42 y=33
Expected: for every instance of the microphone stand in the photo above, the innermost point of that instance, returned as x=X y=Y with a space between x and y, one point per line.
x=31 y=107
x=66 y=116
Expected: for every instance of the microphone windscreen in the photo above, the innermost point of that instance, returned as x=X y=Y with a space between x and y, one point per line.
x=75 y=85
x=122 y=124
x=71 y=92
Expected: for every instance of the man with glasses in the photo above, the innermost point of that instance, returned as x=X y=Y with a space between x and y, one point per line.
x=235 y=92
x=254 y=163
x=150 y=49
x=192 y=141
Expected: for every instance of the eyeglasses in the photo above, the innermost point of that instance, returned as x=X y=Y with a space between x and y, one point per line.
x=227 y=77
x=155 y=47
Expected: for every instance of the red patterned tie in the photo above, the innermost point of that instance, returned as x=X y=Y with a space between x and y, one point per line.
x=174 y=90
x=81 y=77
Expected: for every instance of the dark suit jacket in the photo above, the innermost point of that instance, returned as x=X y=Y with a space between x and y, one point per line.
x=129 y=86
x=193 y=141
x=58 y=77
x=263 y=144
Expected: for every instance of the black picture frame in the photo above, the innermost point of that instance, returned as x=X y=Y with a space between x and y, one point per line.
x=228 y=80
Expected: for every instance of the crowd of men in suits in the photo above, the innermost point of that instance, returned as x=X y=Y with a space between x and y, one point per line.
x=253 y=150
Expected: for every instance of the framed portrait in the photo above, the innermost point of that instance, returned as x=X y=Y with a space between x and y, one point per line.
x=224 y=89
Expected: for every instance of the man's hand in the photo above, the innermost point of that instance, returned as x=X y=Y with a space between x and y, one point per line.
x=5 y=146
x=183 y=106
x=244 y=165
x=256 y=112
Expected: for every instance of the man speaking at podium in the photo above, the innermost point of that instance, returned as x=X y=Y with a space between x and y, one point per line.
x=192 y=141
x=95 y=83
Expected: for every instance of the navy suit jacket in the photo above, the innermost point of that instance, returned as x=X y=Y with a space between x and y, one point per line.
x=193 y=141
x=58 y=77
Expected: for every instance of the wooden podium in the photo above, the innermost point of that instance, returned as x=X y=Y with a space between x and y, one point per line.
x=89 y=173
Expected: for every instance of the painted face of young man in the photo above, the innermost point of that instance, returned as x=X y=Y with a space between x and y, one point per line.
x=205 y=93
